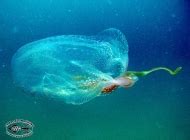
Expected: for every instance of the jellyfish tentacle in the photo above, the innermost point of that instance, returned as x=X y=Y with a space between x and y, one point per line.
x=144 y=73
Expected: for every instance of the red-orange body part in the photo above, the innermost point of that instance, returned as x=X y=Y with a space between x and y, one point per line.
x=109 y=89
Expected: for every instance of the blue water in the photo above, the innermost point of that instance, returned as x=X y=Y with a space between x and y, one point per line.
x=158 y=34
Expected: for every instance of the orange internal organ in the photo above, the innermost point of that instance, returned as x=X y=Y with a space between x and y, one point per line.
x=109 y=89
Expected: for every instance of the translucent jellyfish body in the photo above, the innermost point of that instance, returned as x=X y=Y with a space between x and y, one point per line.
x=73 y=68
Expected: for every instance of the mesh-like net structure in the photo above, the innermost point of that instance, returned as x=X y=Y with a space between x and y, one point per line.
x=73 y=68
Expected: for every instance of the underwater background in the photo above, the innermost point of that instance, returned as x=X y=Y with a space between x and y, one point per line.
x=158 y=33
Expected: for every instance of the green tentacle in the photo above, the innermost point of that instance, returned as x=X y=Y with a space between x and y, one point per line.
x=144 y=73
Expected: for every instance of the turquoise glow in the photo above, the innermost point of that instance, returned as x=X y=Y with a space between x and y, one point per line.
x=71 y=67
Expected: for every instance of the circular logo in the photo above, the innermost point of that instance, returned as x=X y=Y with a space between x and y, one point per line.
x=19 y=128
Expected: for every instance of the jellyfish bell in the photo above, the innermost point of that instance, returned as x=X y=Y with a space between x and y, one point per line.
x=73 y=68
